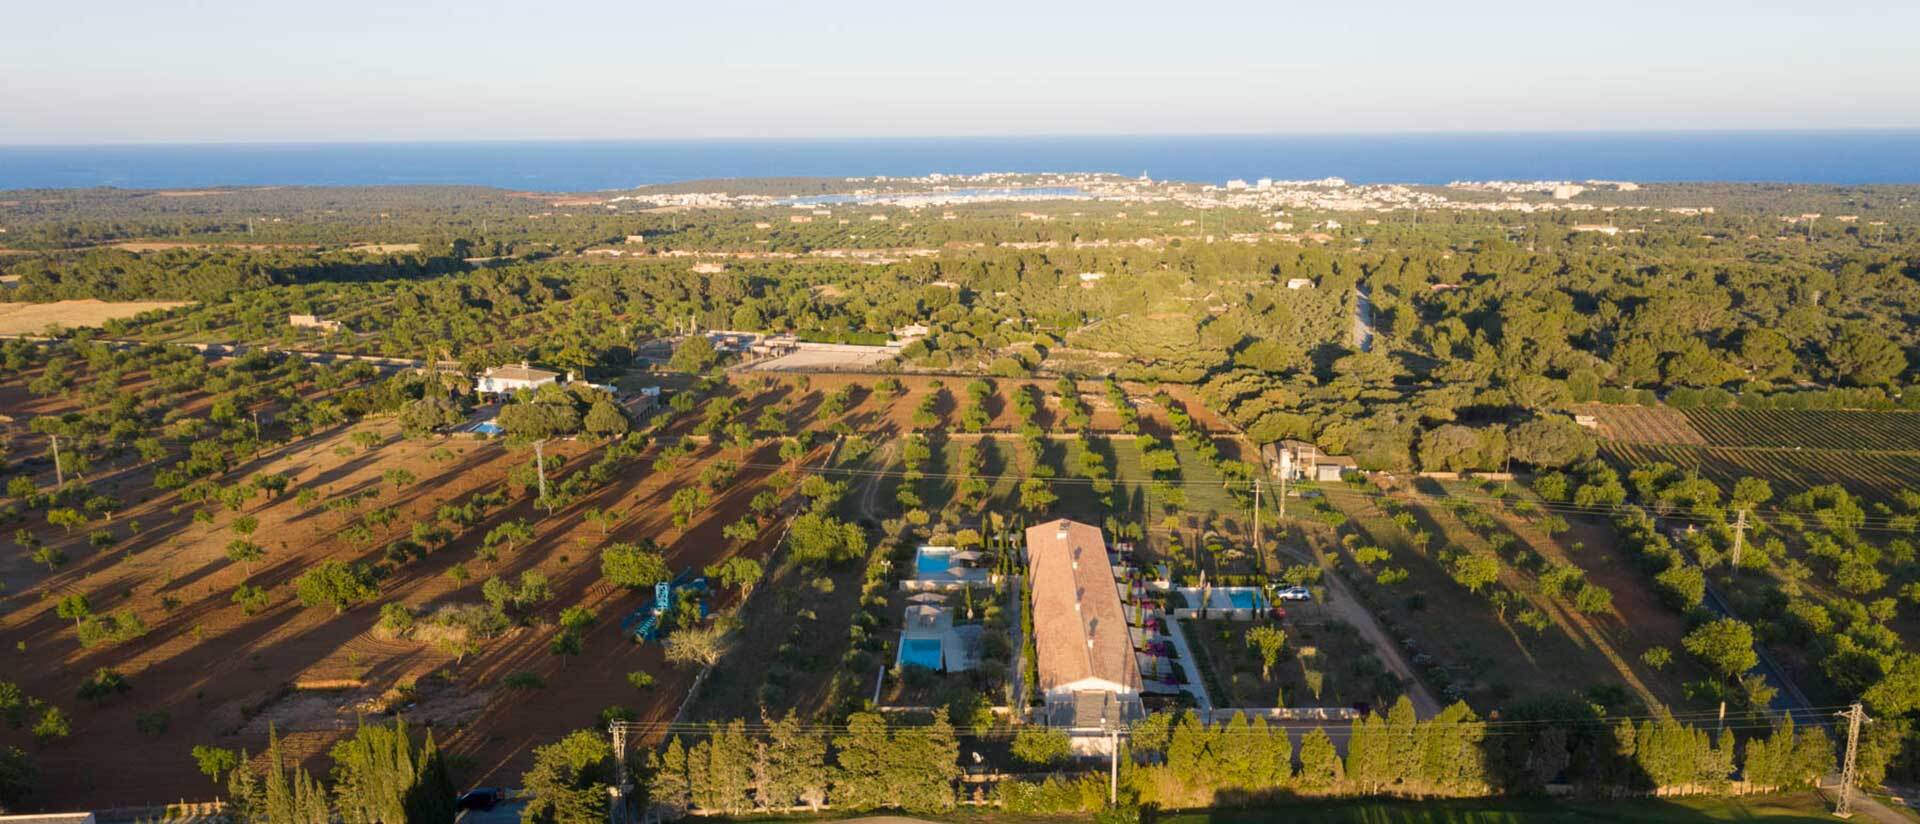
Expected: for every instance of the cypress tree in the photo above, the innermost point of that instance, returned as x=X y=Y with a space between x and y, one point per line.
x=1232 y=761
x=1367 y=753
x=700 y=774
x=1403 y=743
x=796 y=765
x=863 y=761
x=670 y=782
x=730 y=772
x=246 y=798
x=1189 y=754
x=432 y=795
x=1812 y=759
x=378 y=777
x=1765 y=762
x=927 y=766
x=1451 y=758
x=1319 y=762
x=291 y=795
x=1273 y=759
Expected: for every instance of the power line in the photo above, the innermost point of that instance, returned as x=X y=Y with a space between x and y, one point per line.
x=1869 y=523
x=1765 y=720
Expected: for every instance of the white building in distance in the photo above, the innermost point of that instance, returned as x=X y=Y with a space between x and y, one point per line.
x=506 y=380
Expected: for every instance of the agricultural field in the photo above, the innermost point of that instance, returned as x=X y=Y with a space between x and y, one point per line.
x=1196 y=497
x=37 y=318
x=215 y=645
x=1878 y=476
x=1871 y=453
x=1515 y=625
x=1809 y=429
x=1643 y=424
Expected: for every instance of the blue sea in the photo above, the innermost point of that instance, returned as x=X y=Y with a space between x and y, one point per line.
x=1850 y=157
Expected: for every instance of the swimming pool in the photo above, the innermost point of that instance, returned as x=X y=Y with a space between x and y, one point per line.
x=920 y=652
x=932 y=562
x=1243 y=598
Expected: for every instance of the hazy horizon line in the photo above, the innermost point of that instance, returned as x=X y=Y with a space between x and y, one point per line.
x=1358 y=133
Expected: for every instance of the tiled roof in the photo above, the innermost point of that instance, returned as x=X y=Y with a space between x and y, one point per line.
x=1080 y=629
x=521 y=373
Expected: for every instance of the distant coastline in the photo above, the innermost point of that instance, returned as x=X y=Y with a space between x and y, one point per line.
x=1835 y=157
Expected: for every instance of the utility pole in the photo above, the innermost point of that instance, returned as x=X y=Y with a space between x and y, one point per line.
x=1113 y=765
x=1286 y=468
x=1257 y=543
x=617 y=812
x=1739 y=537
x=540 y=469
x=59 y=475
x=1855 y=714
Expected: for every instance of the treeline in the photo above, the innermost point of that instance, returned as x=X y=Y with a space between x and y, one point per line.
x=1176 y=761
x=1173 y=760
x=205 y=274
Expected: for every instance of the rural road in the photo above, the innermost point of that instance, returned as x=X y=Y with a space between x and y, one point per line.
x=1342 y=604
x=1362 y=318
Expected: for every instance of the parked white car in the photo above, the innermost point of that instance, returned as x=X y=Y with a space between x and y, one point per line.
x=1294 y=594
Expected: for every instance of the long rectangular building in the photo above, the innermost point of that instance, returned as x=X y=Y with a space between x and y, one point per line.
x=1087 y=670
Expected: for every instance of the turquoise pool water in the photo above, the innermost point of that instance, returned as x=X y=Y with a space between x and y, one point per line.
x=1244 y=599
x=932 y=563
x=921 y=652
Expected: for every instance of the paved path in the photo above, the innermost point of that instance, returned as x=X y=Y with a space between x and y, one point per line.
x=1196 y=685
x=1017 y=679
x=1362 y=319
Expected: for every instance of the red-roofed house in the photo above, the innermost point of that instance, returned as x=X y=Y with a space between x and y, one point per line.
x=1088 y=674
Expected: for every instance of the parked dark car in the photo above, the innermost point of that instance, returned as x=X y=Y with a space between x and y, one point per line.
x=479 y=798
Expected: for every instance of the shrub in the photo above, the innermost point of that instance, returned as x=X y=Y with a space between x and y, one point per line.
x=523 y=680
x=1041 y=746
x=102 y=685
x=153 y=724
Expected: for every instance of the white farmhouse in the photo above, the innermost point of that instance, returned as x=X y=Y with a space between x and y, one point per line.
x=506 y=380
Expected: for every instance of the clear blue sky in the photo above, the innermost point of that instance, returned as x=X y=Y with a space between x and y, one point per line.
x=92 y=71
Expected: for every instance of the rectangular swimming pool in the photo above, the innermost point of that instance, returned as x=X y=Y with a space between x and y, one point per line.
x=930 y=562
x=921 y=652
x=1243 y=598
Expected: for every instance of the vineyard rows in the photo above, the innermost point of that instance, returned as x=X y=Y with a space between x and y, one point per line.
x=1873 y=475
x=1808 y=429
x=1643 y=424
